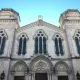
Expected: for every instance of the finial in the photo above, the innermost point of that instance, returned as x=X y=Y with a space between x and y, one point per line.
x=40 y=17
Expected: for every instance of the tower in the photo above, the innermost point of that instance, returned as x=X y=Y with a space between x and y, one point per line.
x=70 y=22
x=9 y=22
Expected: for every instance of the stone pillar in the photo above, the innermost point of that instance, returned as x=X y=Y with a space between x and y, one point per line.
x=26 y=76
x=48 y=76
x=33 y=76
x=54 y=76
x=29 y=76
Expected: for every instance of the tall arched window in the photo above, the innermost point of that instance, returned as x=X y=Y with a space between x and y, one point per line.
x=3 y=38
x=58 y=44
x=77 y=41
x=22 y=44
x=40 y=42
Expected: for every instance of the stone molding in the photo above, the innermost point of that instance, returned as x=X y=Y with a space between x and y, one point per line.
x=39 y=23
x=41 y=64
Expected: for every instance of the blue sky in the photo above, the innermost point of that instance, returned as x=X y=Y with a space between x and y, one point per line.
x=49 y=9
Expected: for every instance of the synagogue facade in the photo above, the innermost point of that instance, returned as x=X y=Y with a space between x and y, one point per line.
x=39 y=50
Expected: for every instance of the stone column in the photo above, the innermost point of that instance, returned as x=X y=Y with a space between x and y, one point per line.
x=54 y=77
x=48 y=76
x=26 y=76
x=29 y=76
x=33 y=76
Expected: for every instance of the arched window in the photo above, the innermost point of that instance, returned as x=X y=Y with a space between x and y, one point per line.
x=77 y=40
x=40 y=42
x=3 y=38
x=22 y=44
x=58 y=44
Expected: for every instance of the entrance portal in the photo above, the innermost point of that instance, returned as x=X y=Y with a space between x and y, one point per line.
x=18 y=77
x=41 y=76
x=62 y=77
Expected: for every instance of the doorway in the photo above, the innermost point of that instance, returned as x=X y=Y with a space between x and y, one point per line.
x=19 y=78
x=62 y=77
x=41 y=76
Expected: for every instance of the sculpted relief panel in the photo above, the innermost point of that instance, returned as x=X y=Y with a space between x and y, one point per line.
x=61 y=68
x=41 y=66
x=20 y=67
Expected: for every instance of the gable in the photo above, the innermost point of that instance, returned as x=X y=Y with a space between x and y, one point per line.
x=39 y=23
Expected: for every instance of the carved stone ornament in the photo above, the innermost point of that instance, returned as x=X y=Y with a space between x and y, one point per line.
x=61 y=68
x=20 y=67
x=41 y=66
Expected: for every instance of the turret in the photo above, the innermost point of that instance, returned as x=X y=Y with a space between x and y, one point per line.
x=69 y=17
x=9 y=15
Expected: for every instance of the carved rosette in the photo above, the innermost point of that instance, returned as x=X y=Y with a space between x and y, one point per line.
x=41 y=66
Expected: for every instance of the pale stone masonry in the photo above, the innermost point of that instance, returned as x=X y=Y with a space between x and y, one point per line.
x=32 y=66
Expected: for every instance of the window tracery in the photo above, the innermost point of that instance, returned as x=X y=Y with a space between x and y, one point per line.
x=58 y=44
x=40 y=42
x=3 y=38
x=77 y=40
x=22 y=44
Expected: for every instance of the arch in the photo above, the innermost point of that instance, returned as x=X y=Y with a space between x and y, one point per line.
x=22 y=35
x=41 y=32
x=76 y=32
x=57 y=35
x=41 y=64
x=20 y=66
x=61 y=66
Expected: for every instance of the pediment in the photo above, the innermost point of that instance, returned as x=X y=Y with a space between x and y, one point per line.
x=39 y=23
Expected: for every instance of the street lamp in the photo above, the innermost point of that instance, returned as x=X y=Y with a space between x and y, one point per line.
x=78 y=75
x=2 y=75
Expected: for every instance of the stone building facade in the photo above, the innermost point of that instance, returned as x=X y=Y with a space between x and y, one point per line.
x=40 y=50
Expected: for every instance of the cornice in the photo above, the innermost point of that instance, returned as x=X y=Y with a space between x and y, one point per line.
x=39 y=23
x=67 y=11
x=10 y=9
x=71 y=21
x=8 y=20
